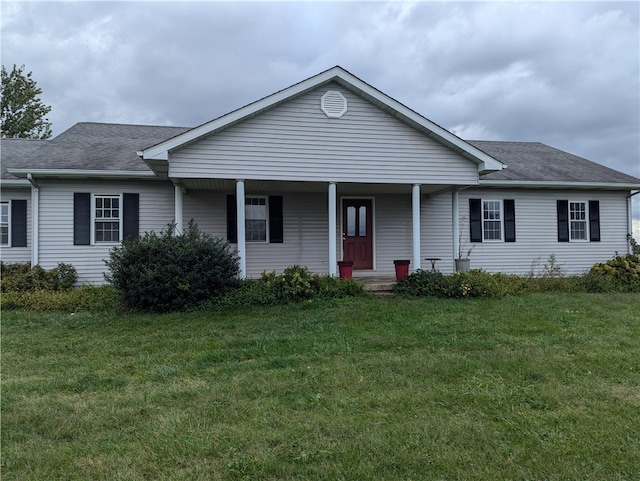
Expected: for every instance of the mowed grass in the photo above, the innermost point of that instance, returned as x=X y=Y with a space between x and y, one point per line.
x=538 y=387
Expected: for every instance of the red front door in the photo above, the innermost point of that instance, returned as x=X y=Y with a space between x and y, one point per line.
x=357 y=233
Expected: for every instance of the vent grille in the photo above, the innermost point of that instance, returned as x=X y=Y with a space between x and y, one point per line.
x=333 y=104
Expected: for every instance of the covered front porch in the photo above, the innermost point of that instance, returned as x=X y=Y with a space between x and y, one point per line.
x=325 y=222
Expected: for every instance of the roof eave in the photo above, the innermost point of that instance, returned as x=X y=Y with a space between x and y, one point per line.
x=542 y=184
x=83 y=174
x=15 y=182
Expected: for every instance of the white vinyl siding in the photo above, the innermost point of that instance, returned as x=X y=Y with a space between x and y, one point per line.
x=536 y=226
x=56 y=221
x=17 y=254
x=296 y=141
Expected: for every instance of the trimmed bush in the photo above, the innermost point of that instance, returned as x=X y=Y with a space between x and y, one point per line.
x=24 y=278
x=620 y=274
x=167 y=272
x=475 y=283
x=87 y=298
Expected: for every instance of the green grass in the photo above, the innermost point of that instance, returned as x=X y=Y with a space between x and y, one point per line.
x=538 y=387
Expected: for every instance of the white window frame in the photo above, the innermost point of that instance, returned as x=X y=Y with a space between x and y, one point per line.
x=8 y=223
x=95 y=219
x=247 y=198
x=501 y=220
x=585 y=221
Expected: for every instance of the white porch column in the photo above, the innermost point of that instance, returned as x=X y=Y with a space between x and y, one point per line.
x=415 y=203
x=177 y=208
x=242 y=244
x=455 y=216
x=333 y=257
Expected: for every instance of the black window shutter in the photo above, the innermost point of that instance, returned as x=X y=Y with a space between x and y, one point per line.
x=594 y=221
x=81 y=218
x=131 y=216
x=509 y=220
x=19 y=223
x=232 y=219
x=475 y=220
x=563 y=221
x=276 y=229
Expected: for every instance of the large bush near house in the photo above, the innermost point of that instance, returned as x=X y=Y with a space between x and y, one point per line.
x=620 y=274
x=168 y=272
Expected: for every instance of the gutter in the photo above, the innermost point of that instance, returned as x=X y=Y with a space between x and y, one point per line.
x=557 y=185
x=74 y=173
x=35 y=220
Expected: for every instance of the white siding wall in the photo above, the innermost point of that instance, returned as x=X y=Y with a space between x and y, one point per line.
x=393 y=232
x=56 y=222
x=296 y=141
x=437 y=232
x=537 y=234
x=305 y=230
x=17 y=254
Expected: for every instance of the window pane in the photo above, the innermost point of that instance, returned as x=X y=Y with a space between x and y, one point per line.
x=4 y=213
x=107 y=207
x=492 y=220
x=107 y=232
x=4 y=235
x=362 y=221
x=578 y=220
x=351 y=221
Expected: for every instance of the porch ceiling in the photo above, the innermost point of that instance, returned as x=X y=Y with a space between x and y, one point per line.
x=266 y=186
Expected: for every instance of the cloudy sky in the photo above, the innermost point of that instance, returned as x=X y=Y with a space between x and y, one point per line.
x=563 y=73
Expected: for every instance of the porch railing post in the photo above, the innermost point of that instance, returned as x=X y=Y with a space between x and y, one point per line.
x=415 y=203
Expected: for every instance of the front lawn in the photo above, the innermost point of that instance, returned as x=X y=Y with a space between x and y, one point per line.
x=540 y=386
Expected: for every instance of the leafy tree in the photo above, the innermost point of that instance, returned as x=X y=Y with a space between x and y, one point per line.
x=23 y=113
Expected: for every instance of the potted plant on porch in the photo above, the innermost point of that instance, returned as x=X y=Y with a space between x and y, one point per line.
x=463 y=262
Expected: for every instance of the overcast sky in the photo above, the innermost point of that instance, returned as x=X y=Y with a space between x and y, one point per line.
x=563 y=73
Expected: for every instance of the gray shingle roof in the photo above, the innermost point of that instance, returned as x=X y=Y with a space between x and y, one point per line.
x=15 y=152
x=111 y=147
x=533 y=161
x=97 y=146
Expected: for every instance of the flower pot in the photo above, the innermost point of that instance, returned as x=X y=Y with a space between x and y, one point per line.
x=346 y=269
x=402 y=268
x=463 y=265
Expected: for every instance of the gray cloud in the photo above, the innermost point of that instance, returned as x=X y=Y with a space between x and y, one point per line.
x=566 y=74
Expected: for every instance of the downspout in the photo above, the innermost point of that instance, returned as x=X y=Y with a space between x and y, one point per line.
x=630 y=218
x=35 y=220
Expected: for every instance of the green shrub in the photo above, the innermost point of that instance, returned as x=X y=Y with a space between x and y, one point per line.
x=22 y=277
x=475 y=283
x=327 y=287
x=167 y=272
x=250 y=292
x=89 y=298
x=620 y=274
x=296 y=283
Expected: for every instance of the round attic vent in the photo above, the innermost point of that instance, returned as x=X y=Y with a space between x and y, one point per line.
x=333 y=104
